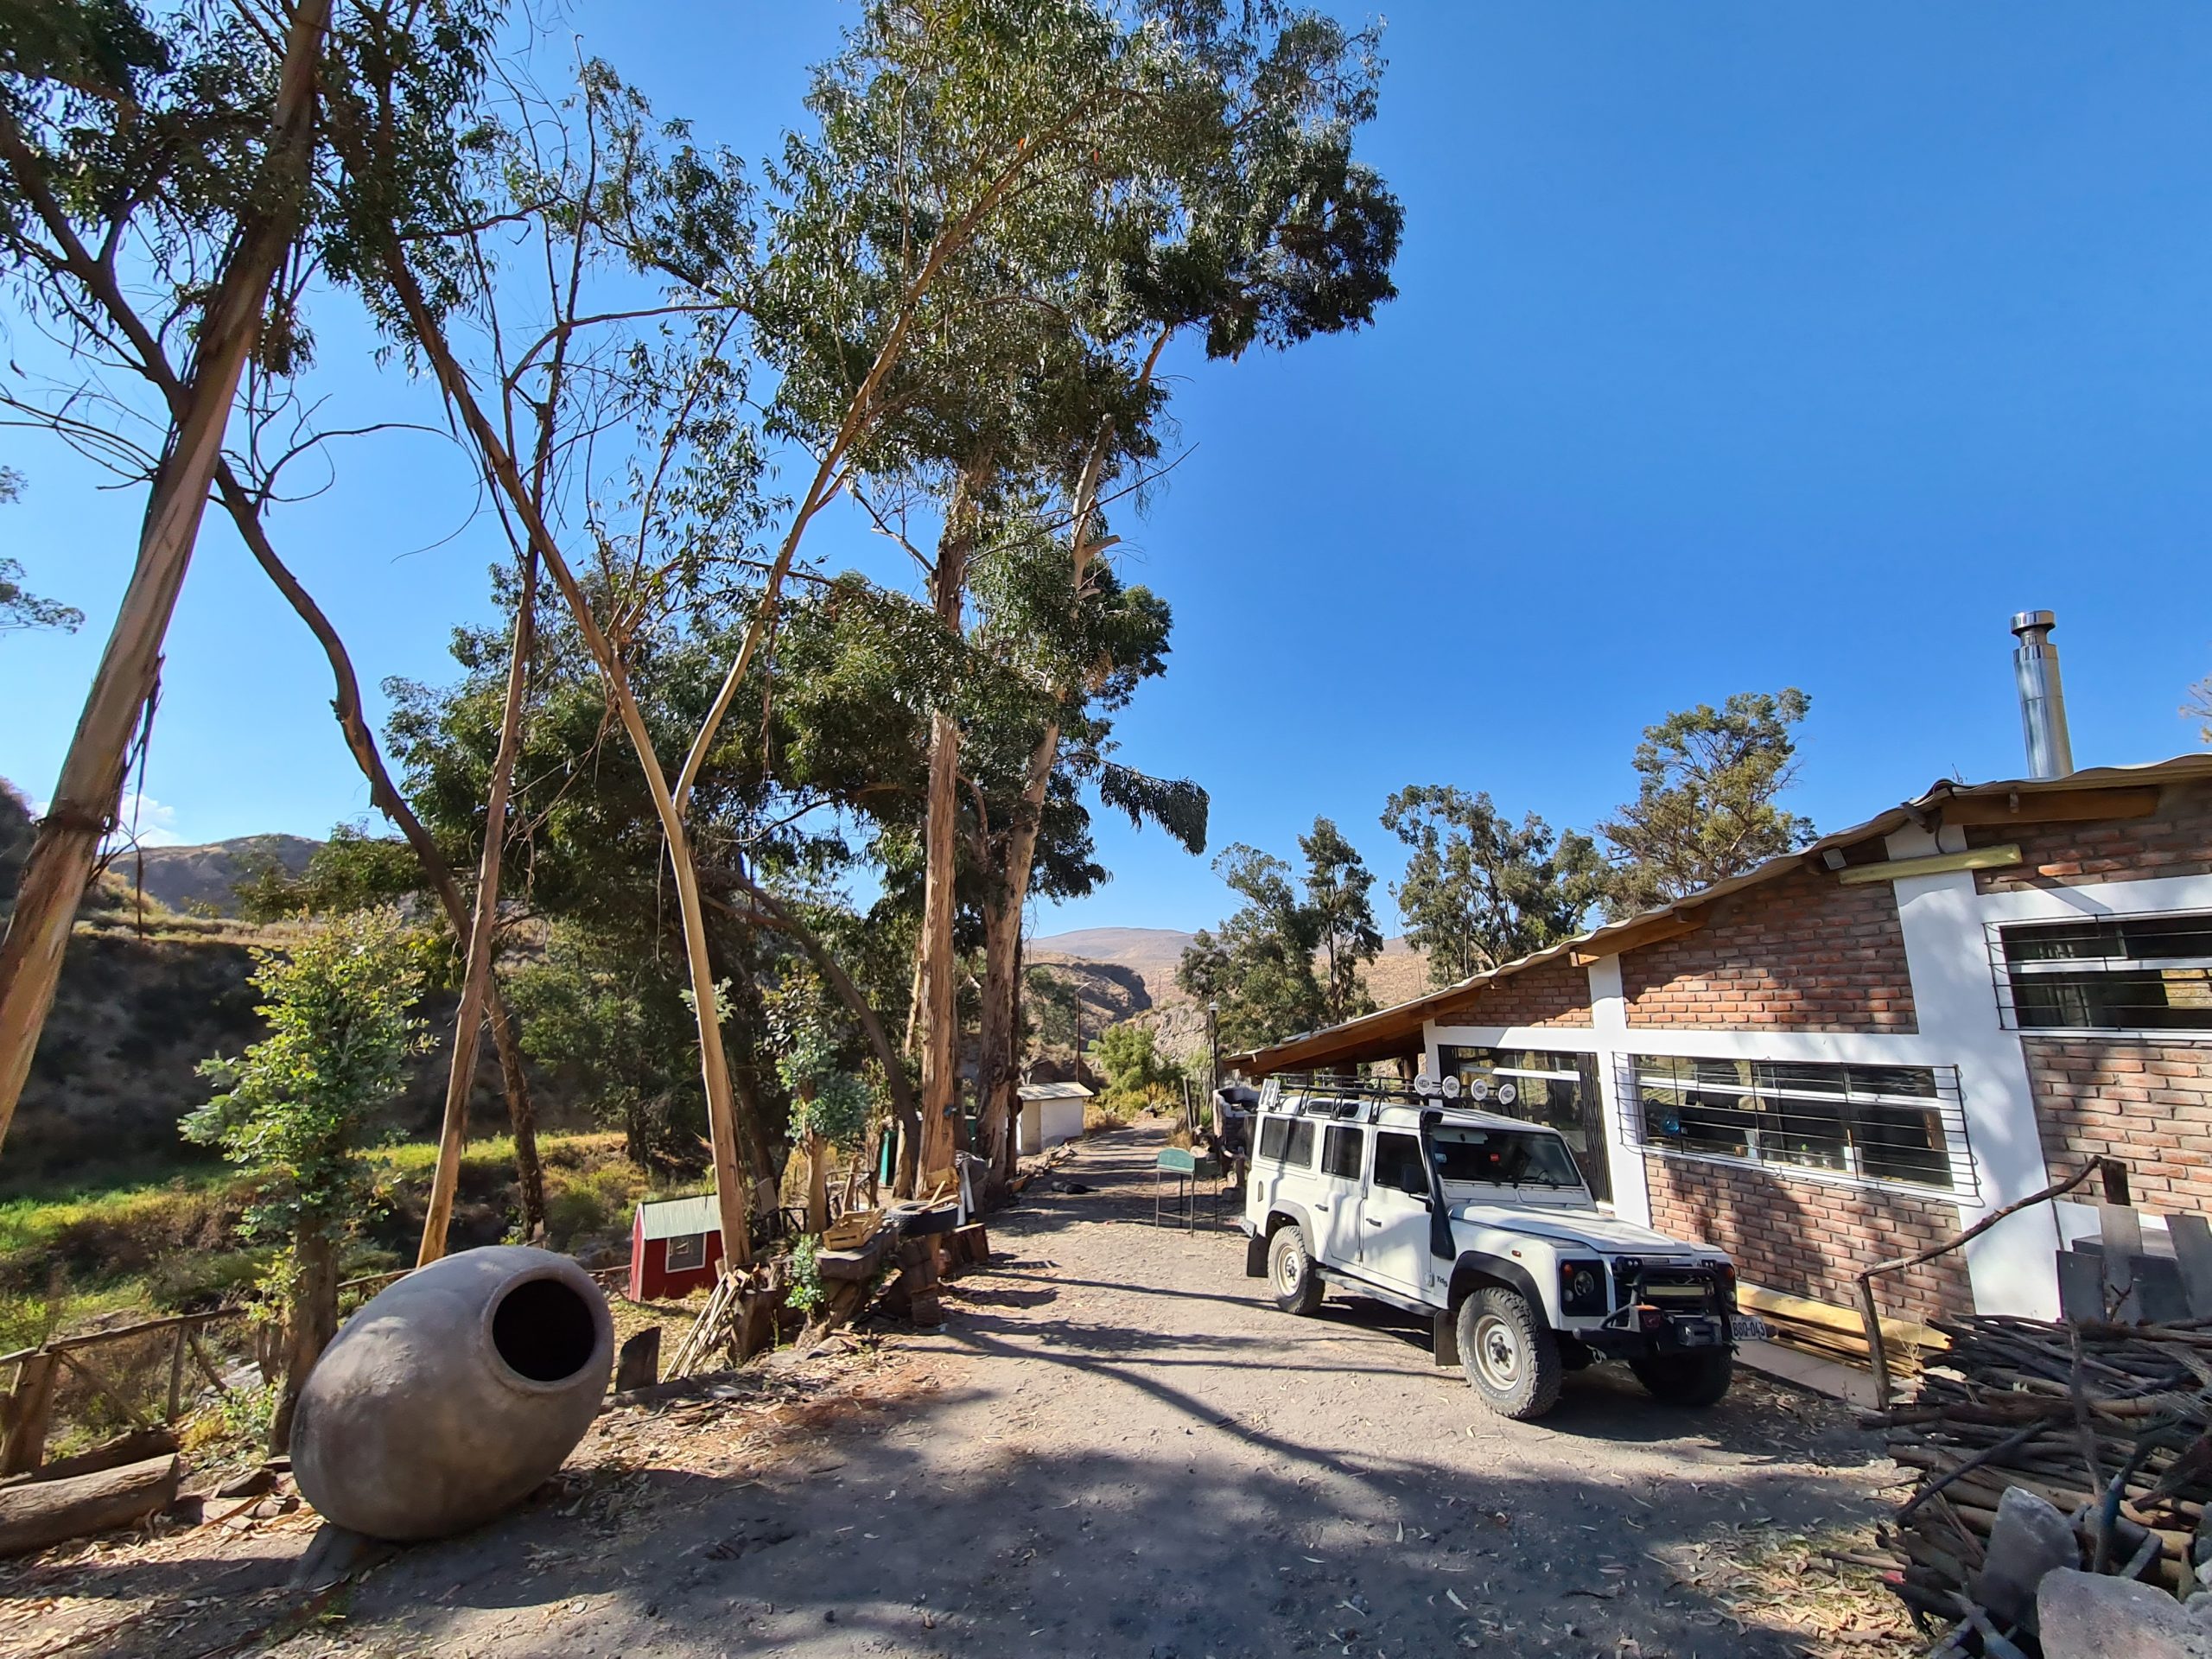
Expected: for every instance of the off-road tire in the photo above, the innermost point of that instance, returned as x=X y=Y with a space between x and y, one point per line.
x=1297 y=1287
x=1687 y=1379
x=1511 y=1356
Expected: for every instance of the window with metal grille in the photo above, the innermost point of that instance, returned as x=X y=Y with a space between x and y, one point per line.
x=2110 y=973
x=1878 y=1122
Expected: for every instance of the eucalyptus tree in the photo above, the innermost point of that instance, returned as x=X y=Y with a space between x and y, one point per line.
x=1479 y=889
x=1258 y=964
x=1338 y=882
x=1215 y=191
x=156 y=174
x=1705 y=805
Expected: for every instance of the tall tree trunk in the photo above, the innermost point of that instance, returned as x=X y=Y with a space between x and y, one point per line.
x=384 y=795
x=817 y=1185
x=476 y=977
x=940 y=840
x=498 y=464
x=89 y=790
x=310 y=1323
x=1001 y=954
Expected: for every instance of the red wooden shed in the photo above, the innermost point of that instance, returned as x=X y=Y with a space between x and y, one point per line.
x=675 y=1244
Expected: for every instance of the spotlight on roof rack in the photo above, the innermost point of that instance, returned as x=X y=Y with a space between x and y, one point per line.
x=1452 y=1088
x=1427 y=1086
x=1507 y=1094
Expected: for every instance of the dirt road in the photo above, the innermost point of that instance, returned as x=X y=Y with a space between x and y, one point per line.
x=1118 y=1445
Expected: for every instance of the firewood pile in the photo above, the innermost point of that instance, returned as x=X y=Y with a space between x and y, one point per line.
x=2105 y=1424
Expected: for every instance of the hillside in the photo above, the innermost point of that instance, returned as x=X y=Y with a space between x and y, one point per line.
x=1398 y=975
x=200 y=880
x=1149 y=953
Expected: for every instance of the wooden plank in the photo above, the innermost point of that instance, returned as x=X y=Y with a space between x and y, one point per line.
x=2192 y=1237
x=1845 y=1323
x=2052 y=806
x=2080 y=1287
x=135 y=1446
x=1900 y=870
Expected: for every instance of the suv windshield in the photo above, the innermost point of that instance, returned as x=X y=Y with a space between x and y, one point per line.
x=1503 y=1157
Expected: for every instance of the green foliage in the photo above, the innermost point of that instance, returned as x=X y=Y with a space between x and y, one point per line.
x=826 y=1099
x=353 y=870
x=19 y=609
x=1705 y=809
x=1258 y=965
x=1479 y=890
x=1137 y=1074
x=297 y=1108
x=807 y=1291
x=616 y=1020
x=1337 y=885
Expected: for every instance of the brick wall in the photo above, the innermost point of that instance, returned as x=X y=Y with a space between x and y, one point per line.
x=1812 y=1238
x=2176 y=839
x=1799 y=953
x=1555 y=992
x=2148 y=1105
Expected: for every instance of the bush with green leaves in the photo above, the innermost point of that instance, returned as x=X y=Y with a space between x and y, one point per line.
x=1138 y=1076
x=301 y=1105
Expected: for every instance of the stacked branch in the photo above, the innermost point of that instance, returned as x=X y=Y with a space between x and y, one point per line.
x=2106 y=1422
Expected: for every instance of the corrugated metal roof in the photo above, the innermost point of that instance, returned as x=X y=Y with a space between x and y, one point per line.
x=1054 y=1091
x=680 y=1217
x=1356 y=1039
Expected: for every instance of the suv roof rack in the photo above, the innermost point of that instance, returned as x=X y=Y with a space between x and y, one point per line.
x=1343 y=1088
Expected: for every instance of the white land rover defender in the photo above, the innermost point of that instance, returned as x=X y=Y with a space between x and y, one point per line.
x=1481 y=1223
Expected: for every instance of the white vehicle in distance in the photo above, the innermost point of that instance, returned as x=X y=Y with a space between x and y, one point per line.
x=1482 y=1223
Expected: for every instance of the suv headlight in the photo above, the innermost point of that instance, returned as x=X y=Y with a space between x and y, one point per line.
x=1581 y=1286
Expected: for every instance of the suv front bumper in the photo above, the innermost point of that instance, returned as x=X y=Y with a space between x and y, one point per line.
x=1671 y=1334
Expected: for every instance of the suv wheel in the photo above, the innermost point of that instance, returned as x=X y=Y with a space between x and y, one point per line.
x=1290 y=1273
x=1687 y=1379
x=1511 y=1356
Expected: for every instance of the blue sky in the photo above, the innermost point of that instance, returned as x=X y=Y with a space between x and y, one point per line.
x=1738 y=346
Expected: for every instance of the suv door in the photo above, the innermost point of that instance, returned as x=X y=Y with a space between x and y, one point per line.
x=1344 y=1159
x=1394 y=1215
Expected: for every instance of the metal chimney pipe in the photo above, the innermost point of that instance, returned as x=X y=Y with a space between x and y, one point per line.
x=2043 y=699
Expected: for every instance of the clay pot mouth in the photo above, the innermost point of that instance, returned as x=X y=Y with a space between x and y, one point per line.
x=543 y=1333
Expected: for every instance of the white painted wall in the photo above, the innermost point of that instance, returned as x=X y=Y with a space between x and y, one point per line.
x=1046 y=1123
x=1945 y=924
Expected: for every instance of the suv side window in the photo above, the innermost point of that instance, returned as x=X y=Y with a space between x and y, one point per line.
x=1342 y=1150
x=1273 y=1132
x=1398 y=1165
x=1299 y=1154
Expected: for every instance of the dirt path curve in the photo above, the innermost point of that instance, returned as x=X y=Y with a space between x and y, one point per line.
x=1118 y=1445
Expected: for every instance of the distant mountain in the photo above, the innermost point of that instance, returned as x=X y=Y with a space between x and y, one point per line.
x=1149 y=953
x=1399 y=974
x=183 y=877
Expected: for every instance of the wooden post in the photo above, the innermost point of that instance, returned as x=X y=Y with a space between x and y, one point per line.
x=29 y=1408
x=176 y=1377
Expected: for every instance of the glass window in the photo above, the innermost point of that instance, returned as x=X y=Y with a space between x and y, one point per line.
x=1559 y=1090
x=687 y=1253
x=1298 y=1155
x=1342 y=1150
x=1885 y=1122
x=1273 y=1133
x=1398 y=1163
x=2119 y=973
x=1503 y=1158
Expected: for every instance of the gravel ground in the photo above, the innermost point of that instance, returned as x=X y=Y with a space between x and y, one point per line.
x=1115 y=1445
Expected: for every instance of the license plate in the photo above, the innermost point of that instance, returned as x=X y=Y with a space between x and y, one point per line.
x=1746 y=1328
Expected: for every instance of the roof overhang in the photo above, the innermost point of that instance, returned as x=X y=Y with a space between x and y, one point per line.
x=2101 y=792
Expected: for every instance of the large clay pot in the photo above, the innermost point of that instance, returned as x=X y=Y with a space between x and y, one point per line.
x=453 y=1392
